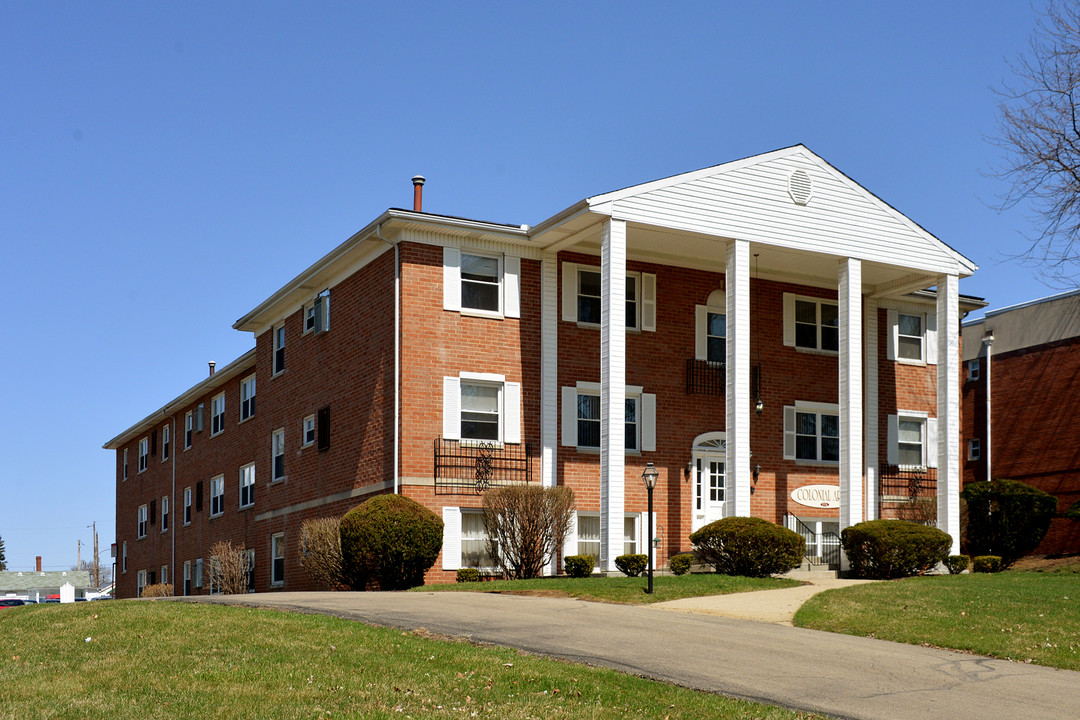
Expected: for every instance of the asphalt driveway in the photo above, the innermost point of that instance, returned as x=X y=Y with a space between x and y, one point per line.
x=838 y=675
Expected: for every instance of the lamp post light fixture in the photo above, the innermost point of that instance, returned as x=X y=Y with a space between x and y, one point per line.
x=649 y=477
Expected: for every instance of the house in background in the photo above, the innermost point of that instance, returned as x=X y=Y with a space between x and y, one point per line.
x=39 y=585
x=1020 y=392
x=777 y=340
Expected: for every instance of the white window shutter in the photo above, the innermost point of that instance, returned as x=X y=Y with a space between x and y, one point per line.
x=789 y=321
x=701 y=332
x=648 y=302
x=451 y=279
x=569 y=416
x=893 y=338
x=512 y=287
x=789 y=432
x=892 y=453
x=451 y=544
x=570 y=541
x=512 y=414
x=569 y=292
x=451 y=421
x=931 y=442
x=648 y=422
x=931 y=339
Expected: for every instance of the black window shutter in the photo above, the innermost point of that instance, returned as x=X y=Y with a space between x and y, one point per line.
x=323 y=422
x=153 y=443
x=153 y=510
x=198 y=496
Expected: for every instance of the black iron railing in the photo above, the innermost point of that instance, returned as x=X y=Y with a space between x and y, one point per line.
x=705 y=378
x=907 y=482
x=475 y=466
x=821 y=548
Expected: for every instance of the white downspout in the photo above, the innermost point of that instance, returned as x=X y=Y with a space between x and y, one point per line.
x=397 y=355
x=988 y=341
x=172 y=500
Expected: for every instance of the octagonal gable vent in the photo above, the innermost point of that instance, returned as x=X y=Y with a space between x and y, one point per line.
x=800 y=187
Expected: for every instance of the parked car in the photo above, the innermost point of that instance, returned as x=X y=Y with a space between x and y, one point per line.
x=11 y=602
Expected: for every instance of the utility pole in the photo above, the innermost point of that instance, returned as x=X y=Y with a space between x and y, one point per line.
x=78 y=554
x=97 y=563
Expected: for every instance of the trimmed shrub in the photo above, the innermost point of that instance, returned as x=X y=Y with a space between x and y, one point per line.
x=986 y=564
x=957 y=564
x=158 y=590
x=894 y=548
x=320 y=551
x=1007 y=518
x=680 y=564
x=579 y=566
x=390 y=540
x=747 y=546
x=468 y=575
x=1073 y=513
x=632 y=565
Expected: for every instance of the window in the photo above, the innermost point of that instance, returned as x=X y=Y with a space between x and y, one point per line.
x=582 y=287
x=142 y=522
x=716 y=333
x=164 y=443
x=309 y=430
x=215 y=575
x=974 y=369
x=812 y=432
x=588 y=298
x=317 y=314
x=247 y=398
x=474 y=545
x=188 y=428
x=217 y=495
x=144 y=453
x=277 y=554
x=164 y=514
x=198 y=572
x=910 y=442
x=480 y=283
x=588 y=535
x=816 y=324
x=124 y=465
x=481 y=407
x=187 y=506
x=630 y=535
x=588 y=424
x=909 y=330
x=479 y=411
x=581 y=419
x=279 y=349
x=247 y=485
x=277 y=452
x=140 y=582
x=974 y=449
x=912 y=336
x=164 y=574
x=187 y=577
x=217 y=414
x=123 y=557
x=912 y=439
x=249 y=574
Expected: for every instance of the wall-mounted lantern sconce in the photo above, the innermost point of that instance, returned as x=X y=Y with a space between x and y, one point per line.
x=688 y=469
x=756 y=471
x=759 y=407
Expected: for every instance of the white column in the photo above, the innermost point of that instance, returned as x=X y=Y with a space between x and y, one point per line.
x=612 y=390
x=948 y=407
x=849 y=295
x=549 y=368
x=871 y=385
x=737 y=395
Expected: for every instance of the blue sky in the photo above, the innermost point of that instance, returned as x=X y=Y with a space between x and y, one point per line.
x=164 y=167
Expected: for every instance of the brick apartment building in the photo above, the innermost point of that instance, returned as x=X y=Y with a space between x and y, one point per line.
x=1026 y=359
x=762 y=331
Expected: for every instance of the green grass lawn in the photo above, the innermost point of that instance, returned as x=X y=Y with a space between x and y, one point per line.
x=625 y=590
x=1024 y=616
x=129 y=659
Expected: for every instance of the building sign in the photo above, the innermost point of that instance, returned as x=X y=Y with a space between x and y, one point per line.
x=817 y=496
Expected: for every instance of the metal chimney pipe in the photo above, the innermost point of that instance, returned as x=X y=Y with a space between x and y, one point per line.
x=212 y=366
x=418 y=193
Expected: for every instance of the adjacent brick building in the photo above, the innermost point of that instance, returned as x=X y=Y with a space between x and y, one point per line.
x=1028 y=357
x=761 y=331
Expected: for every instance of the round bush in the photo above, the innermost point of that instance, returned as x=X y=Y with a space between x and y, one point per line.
x=894 y=548
x=390 y=540
x=468 y=575
x=579 y=566
x=1007 y=518
x=986 y=564
x=747 y=546
x=957 y=564
x=632 y=565
x=680 y=564
x=1073 y=513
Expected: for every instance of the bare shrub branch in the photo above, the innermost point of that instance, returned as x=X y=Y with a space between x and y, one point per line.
x=526 y=526
x=228 y=568
x=320 y=551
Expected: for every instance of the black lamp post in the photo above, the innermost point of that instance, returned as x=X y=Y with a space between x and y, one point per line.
x=649 y=476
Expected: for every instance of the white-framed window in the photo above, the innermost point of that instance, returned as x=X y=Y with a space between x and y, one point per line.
x=141 y=522
x=123 y=557
x=309 y=430
x=124 y=465
x=474 y=545
x=188 y=428
x=198 y=572
x=912 y=439
x=811 y=323
x=812 y=432
x=217 y=495
x=277 y=455
x=481 y=283
x=630 y=535
x=317 y=314
x=974 y=449
x=187 y=505
x=187 y=577
x=588 y=535
x=217 y=414
x=165 y=514
x=279 y=348
x=481 y=407
x=144 y=453
x=165 y=437
x=247 y=485
x=581 y=417
x=581 y=290
x=912 y=336
x=140 y=583
x=974 y=369
x=247 y=397
x=277 y=556
x=249 y=570
x=164 y=574
x=215 y=573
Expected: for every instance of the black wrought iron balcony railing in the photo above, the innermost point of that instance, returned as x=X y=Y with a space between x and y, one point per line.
x=463 y=466
x=907 y=481
x=705 y=378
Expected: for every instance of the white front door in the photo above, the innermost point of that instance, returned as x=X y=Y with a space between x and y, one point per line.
x=709 y=488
